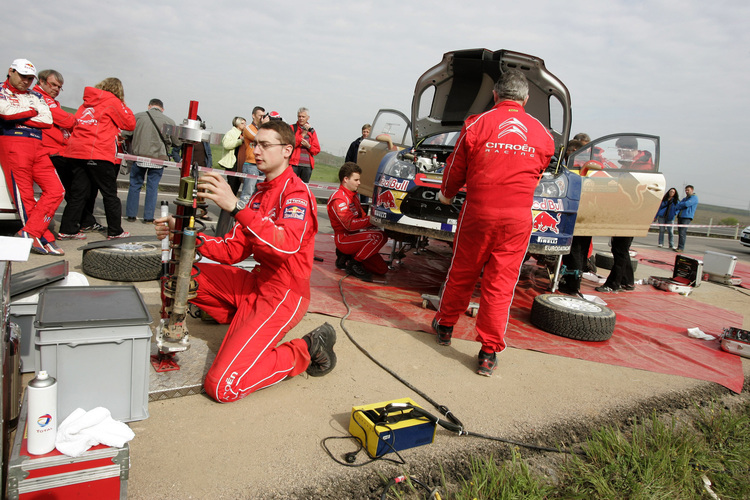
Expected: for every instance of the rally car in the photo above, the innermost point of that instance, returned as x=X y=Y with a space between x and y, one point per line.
x=610 y=189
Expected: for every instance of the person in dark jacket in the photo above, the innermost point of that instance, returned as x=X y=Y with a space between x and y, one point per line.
x=351 y=154
x=666 y=214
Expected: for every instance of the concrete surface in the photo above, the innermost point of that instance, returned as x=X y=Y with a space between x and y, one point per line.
x=268 y=445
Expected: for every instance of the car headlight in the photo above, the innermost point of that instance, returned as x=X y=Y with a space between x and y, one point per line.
x=552 y=187
x=401 y=169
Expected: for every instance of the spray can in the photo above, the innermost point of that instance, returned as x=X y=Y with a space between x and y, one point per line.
x=42 y=414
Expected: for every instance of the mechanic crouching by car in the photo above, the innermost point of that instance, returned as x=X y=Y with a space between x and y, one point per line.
x=358 y=242
x=277 y=227
x=499 y=156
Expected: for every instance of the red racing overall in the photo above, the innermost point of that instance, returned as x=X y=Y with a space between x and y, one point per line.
x=499 y=156
x=354 y=235
x=278 y=229
x=25 y=160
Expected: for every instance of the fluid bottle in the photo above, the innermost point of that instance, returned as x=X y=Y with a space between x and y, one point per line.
x=42 y=415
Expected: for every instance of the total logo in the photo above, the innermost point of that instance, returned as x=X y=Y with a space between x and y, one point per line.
x=545 y=222
x=392 y=183
x=44 y=420
x=548 y=204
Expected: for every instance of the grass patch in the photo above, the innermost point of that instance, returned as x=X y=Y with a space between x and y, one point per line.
x=661 y=457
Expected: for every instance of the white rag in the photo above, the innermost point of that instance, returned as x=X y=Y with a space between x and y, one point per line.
x=84 y=429
x=697 y=333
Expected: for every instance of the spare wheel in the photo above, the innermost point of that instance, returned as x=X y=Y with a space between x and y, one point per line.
x=124 y=261
x=572 y=317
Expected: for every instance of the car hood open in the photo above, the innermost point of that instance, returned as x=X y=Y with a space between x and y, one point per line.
x=461 y=85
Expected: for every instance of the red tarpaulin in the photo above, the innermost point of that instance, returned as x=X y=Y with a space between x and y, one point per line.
x=650 y=332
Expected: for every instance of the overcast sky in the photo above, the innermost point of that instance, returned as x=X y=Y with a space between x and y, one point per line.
x=679 y=69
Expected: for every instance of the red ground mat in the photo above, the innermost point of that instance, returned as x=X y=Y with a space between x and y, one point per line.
x=664 y=259
x=650 y=332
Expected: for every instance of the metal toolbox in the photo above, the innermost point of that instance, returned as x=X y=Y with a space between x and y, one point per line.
x=736 y=341
x=720 y=267
x=687 y=274
x=101 y=473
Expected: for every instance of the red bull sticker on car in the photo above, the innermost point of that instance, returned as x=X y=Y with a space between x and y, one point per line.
x=385 y=200
x=548 y=204
x=545 y=222
x=393 y=183
x=294 y=212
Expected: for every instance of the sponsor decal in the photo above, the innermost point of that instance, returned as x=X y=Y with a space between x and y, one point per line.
x=385 y=200
x=229 y=382
x=380 y=215
x=564 y=250
x=545 y=222
x=342 y=204
x=547 y=240
x=392 y=183
x=255 y=205
x=548 y=204
x=44 y=420
x=296 y=201
x=294 y=212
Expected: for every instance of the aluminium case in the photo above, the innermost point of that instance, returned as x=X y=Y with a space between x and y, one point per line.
x=95 y=341
x=101 y=473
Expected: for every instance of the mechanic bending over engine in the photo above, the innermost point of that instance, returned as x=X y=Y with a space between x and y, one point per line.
x=277 y=227
x=499 y=156
x=358 y=242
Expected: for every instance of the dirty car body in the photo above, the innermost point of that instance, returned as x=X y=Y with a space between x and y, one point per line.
x=405 y=183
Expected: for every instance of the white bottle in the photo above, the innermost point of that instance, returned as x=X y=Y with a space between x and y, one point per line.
x=42 y=415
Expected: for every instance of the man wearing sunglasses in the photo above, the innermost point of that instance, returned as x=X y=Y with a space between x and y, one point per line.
x=277 y=227
x=23 y=115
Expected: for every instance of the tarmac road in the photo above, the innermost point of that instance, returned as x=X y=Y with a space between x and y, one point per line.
x=269 y=444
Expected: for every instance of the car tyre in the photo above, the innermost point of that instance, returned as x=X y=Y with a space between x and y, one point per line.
x=126 y=261
x=607 y=261
x=572 y=317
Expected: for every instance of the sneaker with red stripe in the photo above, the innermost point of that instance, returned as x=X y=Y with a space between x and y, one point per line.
x=123 y=234
x=78 y=236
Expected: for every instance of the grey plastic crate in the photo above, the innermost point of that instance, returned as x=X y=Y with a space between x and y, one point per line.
x=96 y=342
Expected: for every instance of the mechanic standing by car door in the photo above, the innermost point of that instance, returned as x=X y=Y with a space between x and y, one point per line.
x=25 y=161
x=499 y=156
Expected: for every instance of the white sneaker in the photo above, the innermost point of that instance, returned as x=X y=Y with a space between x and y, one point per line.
x=661 y=246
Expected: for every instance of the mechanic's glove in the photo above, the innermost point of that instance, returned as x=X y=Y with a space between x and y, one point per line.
x=444 y=200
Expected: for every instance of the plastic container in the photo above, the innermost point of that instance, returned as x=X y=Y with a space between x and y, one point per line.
x=42 y=417
x=96 y=341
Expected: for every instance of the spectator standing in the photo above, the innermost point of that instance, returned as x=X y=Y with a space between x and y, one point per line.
x=351 y=154
x=358 y=242
x=685 y=214
x=278 y=229
x=91 y=153
x=231 y=141
x=666 y=215
x=306 y=146
x=249 y=167
x=492 y=236
x=24 y=114
x=148 y=140
x=50 y=84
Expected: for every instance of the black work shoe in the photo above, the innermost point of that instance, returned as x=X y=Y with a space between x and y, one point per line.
x=95 y=227
x=487 y=363
x=444 y=333
x=131 y=219
x=606 y=289
x=355 y=268
x=341 y=259
x=322 y=357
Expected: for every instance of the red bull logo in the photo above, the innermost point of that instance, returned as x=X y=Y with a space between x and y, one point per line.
x=385 y=200
x=544 y=222
x=548 y=204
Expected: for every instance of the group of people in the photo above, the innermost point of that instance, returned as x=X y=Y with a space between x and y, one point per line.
x=239 y=155
x=671 y=208
x=69 y=157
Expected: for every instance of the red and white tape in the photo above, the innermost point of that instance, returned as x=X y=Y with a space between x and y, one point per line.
x=146 y=162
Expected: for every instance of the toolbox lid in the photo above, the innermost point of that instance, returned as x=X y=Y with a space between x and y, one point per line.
x=91 y=306
x=38 y=277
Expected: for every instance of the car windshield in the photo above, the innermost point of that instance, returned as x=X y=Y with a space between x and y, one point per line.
x=444 y=139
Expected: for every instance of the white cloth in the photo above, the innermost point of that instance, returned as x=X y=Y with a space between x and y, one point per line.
x=697 y=333
x=84 y=429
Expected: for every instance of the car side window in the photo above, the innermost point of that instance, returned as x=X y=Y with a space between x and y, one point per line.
x=393 y=124
x=620 y=152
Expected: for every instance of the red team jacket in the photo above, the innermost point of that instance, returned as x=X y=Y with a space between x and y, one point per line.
x=345 y=212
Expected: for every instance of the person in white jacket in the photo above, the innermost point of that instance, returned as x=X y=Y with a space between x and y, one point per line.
x=230 y=142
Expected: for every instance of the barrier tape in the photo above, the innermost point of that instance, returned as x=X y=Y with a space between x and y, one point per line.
x=153 y=162
x=654 y=224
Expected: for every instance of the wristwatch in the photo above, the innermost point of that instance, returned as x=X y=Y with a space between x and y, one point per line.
x=239 y=206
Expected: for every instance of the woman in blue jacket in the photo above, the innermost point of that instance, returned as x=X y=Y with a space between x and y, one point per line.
x=666 y=214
